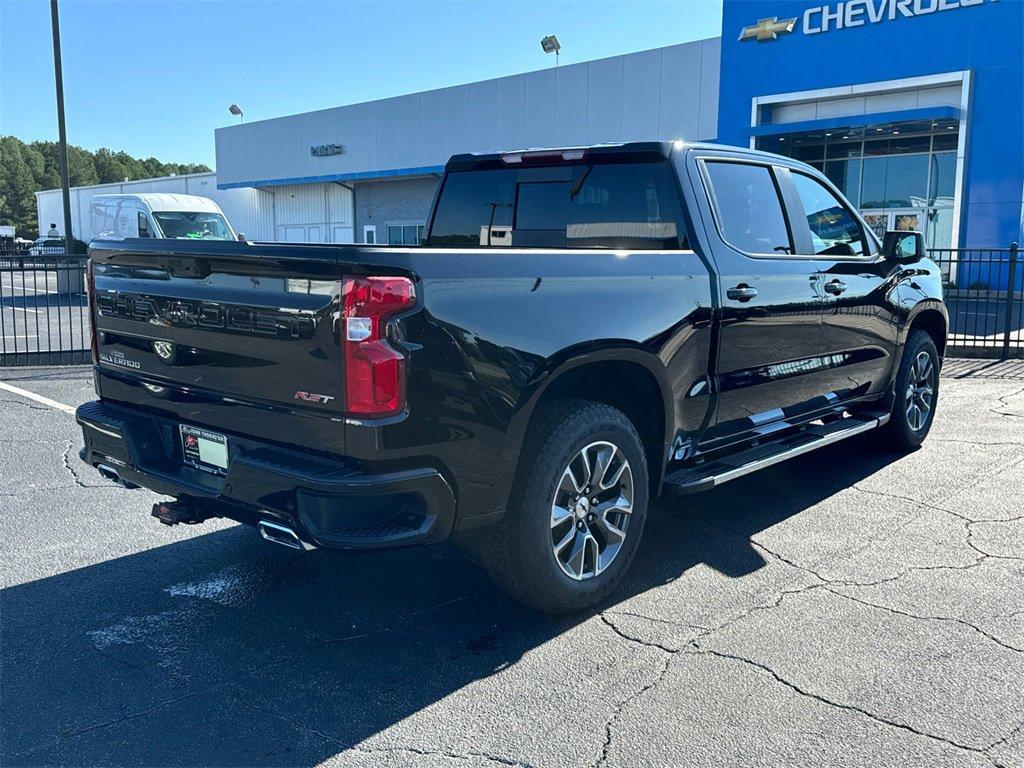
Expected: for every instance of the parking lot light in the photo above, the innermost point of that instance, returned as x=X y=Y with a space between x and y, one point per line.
x=550 y=44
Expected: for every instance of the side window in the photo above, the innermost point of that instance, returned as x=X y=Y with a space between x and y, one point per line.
x=144 y=226
x=834 y=230
x=749 y=207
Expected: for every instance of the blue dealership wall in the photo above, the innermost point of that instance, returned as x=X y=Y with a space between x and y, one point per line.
x=984 y=37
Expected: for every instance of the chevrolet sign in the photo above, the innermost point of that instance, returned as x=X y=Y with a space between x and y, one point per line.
x=850 y=13
x=857 y=13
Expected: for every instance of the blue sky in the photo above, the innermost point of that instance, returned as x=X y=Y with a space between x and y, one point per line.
x=155 y=78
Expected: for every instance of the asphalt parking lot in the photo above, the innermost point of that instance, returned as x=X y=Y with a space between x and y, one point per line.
x=848 y=608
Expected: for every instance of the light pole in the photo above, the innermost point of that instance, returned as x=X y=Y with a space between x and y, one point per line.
x=236 y=110
x=62 y=147
x=550 y=44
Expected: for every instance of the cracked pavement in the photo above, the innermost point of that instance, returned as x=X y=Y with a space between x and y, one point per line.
x=850 y=607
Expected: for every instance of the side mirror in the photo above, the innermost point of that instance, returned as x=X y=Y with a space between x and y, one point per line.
x=903 y=246
x=241 y=237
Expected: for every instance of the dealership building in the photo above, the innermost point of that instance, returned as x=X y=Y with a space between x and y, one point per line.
x=914 y=108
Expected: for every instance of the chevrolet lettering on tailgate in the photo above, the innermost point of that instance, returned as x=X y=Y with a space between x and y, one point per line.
x=212 y=315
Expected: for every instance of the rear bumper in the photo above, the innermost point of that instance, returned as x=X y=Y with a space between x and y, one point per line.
x=328 y=503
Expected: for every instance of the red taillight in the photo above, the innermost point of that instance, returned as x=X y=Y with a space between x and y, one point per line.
x=90 y=284
x=374 y=370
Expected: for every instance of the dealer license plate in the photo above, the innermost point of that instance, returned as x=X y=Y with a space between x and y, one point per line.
x=203 y=449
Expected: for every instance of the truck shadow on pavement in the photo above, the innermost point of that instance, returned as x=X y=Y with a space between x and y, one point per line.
x=224 y=650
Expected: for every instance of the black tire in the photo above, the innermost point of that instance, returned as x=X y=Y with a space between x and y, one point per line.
x=519 y=552
x=907 y=428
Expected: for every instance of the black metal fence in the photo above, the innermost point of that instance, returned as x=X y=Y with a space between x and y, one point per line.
x=44 y=317
x=985 y=299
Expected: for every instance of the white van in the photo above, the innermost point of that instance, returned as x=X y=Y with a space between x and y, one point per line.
x=158 y=214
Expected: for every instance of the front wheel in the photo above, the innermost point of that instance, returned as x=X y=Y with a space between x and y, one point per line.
x=917 y=392
x=576 y=512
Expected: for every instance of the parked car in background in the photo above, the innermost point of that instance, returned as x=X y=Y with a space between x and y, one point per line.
x=47 y=246
x=585 y=328
x=159 y=215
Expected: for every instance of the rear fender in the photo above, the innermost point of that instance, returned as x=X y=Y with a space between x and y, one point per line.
x=619 y=351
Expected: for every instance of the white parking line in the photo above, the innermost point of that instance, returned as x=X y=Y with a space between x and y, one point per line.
x=25 y=290
x=38 y=398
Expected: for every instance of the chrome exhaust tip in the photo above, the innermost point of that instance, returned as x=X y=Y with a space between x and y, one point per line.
x=283 y=535
x=108 y=472
x=111 y=474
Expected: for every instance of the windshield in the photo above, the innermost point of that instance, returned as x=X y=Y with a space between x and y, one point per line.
x=193 y=226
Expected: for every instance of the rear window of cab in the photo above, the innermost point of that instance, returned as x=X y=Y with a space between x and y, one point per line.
x=609 y=205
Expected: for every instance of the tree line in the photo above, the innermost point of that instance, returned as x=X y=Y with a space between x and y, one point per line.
x=26 y=168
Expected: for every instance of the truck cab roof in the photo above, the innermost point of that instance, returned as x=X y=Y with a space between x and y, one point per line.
x=612 y=151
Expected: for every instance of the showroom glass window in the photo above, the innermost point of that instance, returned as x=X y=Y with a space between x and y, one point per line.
x=899 y=175
x=749 y=207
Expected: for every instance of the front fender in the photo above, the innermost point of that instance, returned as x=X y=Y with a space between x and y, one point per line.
x=918 y=290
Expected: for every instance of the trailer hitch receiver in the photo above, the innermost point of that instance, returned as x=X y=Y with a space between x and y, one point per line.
x=174 y=512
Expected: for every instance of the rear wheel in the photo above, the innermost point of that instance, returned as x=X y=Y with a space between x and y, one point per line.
x=917 y=392
x=576 y=512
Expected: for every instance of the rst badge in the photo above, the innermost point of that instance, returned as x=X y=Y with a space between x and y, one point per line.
x=313 y=397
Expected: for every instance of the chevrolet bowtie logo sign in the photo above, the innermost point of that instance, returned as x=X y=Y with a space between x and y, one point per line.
x=767 y=29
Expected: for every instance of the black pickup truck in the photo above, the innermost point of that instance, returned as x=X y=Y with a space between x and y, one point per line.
x=584 y=329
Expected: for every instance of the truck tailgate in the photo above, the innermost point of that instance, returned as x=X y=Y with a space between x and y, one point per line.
x=223 y=335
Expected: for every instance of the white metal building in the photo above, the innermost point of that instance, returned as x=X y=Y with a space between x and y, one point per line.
x=367 y=172
x=389 y=153
x=306 y=213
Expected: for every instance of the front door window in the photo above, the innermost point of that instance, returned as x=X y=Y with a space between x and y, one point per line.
x=833 y=229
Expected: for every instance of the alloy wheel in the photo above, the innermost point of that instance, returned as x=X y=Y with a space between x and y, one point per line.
x=591 y=510
x=920 y=394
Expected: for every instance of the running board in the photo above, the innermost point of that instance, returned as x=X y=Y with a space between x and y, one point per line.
x=706 y=476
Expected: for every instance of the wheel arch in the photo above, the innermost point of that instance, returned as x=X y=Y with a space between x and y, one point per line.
x=932 y=318
x=628 y=378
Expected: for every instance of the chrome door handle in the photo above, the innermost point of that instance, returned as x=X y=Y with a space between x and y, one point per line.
x=835 y=287
x=741 y=292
